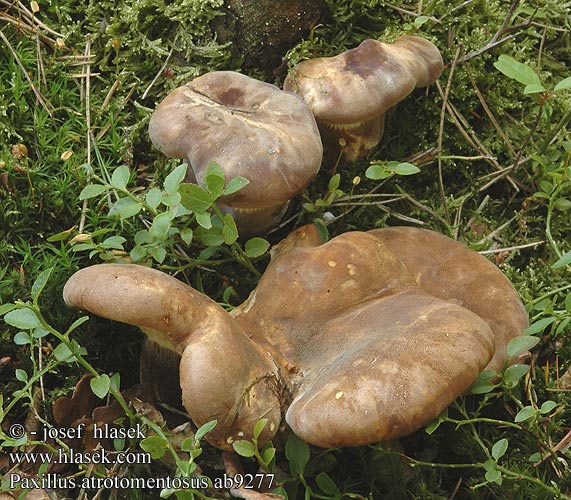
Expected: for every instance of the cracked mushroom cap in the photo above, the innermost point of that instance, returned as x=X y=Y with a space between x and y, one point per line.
x=251 y=129
x=352 y=91
x=343 y=340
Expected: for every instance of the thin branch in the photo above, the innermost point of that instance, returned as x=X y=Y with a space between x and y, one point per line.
x=87 y=74
x=509 y=249
x=441 y=132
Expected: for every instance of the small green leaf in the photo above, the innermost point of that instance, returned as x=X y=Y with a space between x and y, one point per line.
x=326 y=484
x=538 y=326
x=115 y=242
x=268 y=454
x=125 y=208
x=41 y=282
x=91 y=191
x=210 y=237
x=173 y=180
x=405 y=169
x=171 y=200
x=204 y=220
x=138 y=253
x=39 y=333
x=499 y=449
x=204 y=429
x=214 y=180
x=524 y=414
x=519 y=345
x=76 y=324
x=377 y=172
x=516 y=71
x=21 y=375
x=563 y=261
x=155 y=445
x=63 y=353
x=153 y=198
x=494 y=476
x=297 y=453
x=514 y=373
x=229 y=231
x=194 y=198
x=562 y=204
x=100 y=385
x=534 y=88
x=484 y=382
x=235 y=185
x=159 y=229
x=186 y=235
x=563 y=84
x=6 y=308
x=22 y=338
x=334 y=182
x=259 y=427
x=535 y=457
x=256 y=246
x=244 y=448
x=547 y=407
x=24 y=318
x=120 y=177
x=159 y=254
x=115 y=382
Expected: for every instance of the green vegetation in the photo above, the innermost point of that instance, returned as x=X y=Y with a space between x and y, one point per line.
x=484 y=156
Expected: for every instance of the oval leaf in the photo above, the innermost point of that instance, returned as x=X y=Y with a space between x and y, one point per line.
x=519 y=345
x=244 y=448
x=100 y=385
x=24 y=319
x=256 y=246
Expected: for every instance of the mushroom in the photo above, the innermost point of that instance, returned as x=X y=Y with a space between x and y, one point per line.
x=350 y=93
x=364 y=338
x=251 y=129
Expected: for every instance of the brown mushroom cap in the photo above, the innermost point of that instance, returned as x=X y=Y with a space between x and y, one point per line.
x=363 y=83
x=376 y=329
x=451 y=271
x=355 y=89
x=250 y=128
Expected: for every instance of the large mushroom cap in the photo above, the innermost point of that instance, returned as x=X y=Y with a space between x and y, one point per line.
x=364 y=338
x=250 y=128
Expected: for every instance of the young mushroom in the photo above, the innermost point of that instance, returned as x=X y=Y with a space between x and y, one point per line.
x=251 y=129
x=350 y=93
x=364 y=338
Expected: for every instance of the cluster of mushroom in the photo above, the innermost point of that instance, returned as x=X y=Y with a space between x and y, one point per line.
x=364 y=338
x=269 y=136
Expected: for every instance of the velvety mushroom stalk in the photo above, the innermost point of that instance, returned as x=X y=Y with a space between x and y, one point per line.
x=178 y=318
x=382 y=329
x=350 y=93
x=251 y=129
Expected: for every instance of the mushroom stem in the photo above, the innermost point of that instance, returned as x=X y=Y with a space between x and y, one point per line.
x=167 y=310
x=177 y=317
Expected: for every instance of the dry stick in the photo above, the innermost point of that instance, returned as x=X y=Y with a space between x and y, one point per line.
x=491 y=116
x=22 y=9
x=158 y=73
x=45 y=104
x=509 y=249
x=87 y=72
x=441 y=132
x=451 y=11
x=496 y=231
x=495 y=40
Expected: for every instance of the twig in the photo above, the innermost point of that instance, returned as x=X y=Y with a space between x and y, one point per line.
x=496 y=40
x=509 y=249
x=496 y=231
x=87 y=73
x=451 y=11
x=45 y=104
x=441 y=132
x=22 y=9
x=159 y=72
